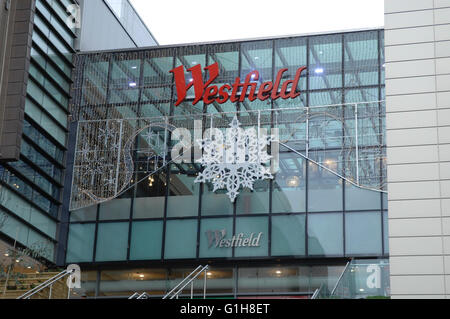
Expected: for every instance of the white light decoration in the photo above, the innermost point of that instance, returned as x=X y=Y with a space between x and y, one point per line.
x=237 y=161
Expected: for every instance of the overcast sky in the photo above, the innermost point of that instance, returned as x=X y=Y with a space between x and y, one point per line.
x=182 y=21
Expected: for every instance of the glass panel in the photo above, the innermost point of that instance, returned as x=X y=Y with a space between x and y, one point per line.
x=183 y=192
x=118 y=208
x=215 y=203
x=150 y=196
x=361 y=58
x=112 y=242
x=329 y=97
x=220 y=281
x=181 y=239
x=213 y=234
x=227 y=56
x=89 y=282
x=288 y=235
x=84 y=215
x=325 y=234
x=363 y=233
x=291 y=54
x=251 y=236
x=326 y=275
x=257 y=56
x=357 y=198
x=126 y=282
x=256 y=201
x=189 y=57
x=43 y=223
x=289 y=187
x=274 y=280
x=146 y=240
x=325 y=69
x=323 y=184
x=80 y=245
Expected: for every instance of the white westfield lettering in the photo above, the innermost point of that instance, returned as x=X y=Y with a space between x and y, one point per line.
x=217 y=238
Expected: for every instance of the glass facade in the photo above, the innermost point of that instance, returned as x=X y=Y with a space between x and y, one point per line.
x=310 y=210
x=32 y=188
x=222 y=282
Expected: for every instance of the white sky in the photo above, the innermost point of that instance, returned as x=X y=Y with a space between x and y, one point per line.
x=183 y=21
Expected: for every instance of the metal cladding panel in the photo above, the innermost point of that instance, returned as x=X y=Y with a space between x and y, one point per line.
x=16 y=19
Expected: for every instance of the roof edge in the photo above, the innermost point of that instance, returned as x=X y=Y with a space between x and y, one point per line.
x=135 y=49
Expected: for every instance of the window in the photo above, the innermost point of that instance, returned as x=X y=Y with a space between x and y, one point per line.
x=80 y=245
x=181 y=239
x=325 y=234
x=363 y=233
x=146 y=240
x=288 y=235
x=112 y=242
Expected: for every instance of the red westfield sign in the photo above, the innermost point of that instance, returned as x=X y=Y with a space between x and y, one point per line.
x=211 y=93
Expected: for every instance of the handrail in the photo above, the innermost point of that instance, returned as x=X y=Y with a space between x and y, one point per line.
x=136 y=294
x=316 y=292
x=181 y=282
x=186 y=281
x=191 y=282
x=340 y=277
x=46 y=283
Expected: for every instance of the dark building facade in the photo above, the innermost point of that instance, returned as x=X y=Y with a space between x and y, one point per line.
x=38 y=39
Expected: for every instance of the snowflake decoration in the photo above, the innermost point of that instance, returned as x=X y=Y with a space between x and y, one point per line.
x=237 y=161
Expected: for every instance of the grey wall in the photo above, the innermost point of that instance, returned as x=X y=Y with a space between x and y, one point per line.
x=16 y=27
x=417 y=44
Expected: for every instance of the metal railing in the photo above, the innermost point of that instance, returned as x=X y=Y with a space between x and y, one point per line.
x=317 y=292
x=174 y=293
x=340 y=278
x=48 y=283
x=137 y=295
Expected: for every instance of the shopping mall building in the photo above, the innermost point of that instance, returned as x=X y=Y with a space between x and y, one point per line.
x=278 y=162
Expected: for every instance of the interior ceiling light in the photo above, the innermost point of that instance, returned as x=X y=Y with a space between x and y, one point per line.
x=318 y=71
x=293 y=181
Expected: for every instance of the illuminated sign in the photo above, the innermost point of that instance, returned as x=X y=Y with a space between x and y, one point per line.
x=236 y=92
